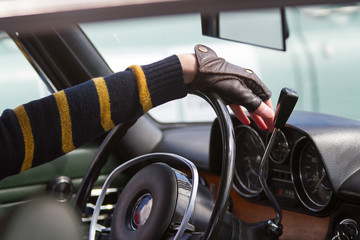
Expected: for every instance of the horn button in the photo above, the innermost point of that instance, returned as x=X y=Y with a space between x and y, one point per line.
x=141 y=211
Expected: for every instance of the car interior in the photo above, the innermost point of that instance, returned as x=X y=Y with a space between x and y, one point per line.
x=190 y=169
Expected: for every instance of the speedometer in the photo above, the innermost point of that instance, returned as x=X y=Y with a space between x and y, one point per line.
x=310 y=179
x=313 y=176
x=249 y=151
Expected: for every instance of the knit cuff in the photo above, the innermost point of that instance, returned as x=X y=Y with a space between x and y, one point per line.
x=165 y=80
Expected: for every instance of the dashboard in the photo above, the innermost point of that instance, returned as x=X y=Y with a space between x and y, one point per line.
x=295 y=172
x=313 y=168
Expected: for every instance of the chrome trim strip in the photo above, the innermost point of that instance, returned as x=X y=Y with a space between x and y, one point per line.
x=96 y=192
x=34 y=64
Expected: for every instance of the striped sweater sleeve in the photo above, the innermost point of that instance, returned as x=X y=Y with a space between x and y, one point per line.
x=42 y=130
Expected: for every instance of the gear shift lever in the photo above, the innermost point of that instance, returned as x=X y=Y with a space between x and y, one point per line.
x=286 y=103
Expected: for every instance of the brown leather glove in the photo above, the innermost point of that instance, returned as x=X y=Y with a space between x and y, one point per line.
x=233 y=83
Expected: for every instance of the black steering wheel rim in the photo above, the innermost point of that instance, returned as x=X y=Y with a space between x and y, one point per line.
x=97 y=163
x=227 y=170
x=227 y=165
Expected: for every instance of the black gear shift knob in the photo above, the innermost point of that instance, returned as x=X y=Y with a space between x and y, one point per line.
x=286 y=103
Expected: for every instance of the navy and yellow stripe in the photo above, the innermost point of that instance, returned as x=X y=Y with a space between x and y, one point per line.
x=26 y=130
x=144 y=94
x=84 y=106
x=40 y=127
x=67 y=144
x=104 y=102
x=12 y=146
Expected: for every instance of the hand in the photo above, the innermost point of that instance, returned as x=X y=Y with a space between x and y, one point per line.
x=237 y=86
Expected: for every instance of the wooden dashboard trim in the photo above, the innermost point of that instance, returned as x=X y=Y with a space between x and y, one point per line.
x=297 y=226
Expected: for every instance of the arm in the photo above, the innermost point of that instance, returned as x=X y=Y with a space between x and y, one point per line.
x=42 y=130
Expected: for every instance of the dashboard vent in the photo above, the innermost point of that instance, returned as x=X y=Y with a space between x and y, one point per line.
x=106 y=208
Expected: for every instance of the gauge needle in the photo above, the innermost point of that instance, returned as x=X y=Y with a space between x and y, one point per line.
x=318 y=184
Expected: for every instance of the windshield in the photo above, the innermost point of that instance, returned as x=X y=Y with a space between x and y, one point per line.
x=321 y=61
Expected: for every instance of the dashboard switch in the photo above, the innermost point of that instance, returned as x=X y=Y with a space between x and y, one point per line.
x=347 y=229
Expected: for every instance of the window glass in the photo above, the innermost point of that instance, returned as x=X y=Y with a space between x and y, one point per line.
x=321 y=61
x=19 y=82
x=142 y=41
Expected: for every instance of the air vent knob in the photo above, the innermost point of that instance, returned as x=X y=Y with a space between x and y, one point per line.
x=61 y=188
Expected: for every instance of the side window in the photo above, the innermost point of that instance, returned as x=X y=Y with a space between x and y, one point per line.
x=19 y=82
x=189 y=109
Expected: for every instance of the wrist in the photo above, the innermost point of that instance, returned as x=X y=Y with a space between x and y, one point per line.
x=189 y=65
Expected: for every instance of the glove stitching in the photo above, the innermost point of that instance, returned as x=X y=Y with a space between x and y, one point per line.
x=238 y=77
x=226 y=79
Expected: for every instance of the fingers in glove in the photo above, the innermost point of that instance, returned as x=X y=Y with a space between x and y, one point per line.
x=265 y=113
x=239 y=113
x=270 y=121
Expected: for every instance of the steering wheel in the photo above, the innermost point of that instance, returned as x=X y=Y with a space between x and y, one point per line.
x=143 y=200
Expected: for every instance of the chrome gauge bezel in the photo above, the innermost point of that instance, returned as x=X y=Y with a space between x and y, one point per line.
x=298 y=179
x=284 y=142
x=239 y=186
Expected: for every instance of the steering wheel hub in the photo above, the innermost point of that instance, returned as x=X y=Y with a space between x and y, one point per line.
x=141 y=211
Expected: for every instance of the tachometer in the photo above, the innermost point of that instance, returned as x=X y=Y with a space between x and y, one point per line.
x=280 y=149
x=310 y=179
x=249 y=151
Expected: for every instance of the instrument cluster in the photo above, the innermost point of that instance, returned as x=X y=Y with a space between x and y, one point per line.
x=295 y=171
